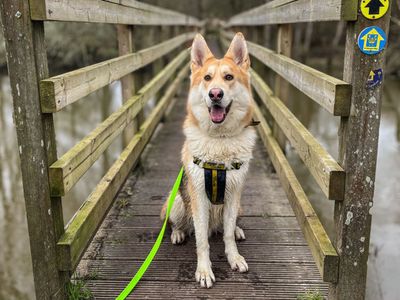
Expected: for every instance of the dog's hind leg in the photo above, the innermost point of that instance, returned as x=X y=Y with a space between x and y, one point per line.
x=178 y=219
x=239 y=234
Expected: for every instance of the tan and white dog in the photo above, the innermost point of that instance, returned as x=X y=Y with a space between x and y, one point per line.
x=219 y=112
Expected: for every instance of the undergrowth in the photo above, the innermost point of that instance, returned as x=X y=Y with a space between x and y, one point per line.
x=311 y=295
x=77 y=290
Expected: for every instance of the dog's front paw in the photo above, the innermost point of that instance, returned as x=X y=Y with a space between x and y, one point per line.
x=205 y=275
x=238 y=263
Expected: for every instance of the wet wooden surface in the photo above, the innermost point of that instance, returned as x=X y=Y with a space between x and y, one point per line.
x=280 y=262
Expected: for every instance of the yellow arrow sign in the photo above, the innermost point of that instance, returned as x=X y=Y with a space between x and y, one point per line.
x=374 y=9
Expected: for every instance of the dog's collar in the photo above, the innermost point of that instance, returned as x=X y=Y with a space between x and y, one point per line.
x=235 y=165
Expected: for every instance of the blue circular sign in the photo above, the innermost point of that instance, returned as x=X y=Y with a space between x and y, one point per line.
x=372 y=40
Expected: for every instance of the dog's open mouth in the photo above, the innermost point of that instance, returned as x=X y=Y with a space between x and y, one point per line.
x=218 y=113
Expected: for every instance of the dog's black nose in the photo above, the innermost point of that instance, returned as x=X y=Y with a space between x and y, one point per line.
x=216 y=94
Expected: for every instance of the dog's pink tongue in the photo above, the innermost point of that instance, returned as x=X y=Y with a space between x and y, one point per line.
x=217 y=114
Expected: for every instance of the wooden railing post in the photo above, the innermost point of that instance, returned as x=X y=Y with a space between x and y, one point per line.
x=256 y=37
x=27 y=65
x=158 y=38
x=358 y=135
x=125 y=46
x=284 y=46
x=140 y=77
x=157 y=65
x=166 y=34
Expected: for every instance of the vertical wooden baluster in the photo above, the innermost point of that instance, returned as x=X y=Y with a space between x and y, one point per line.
x=358 y=137
x=157 y=65
x=268 y=38
x=139 y=76
x=125 y=46
x=159 y=38
x=262 y=38
x=259 y=38
x=284 y=47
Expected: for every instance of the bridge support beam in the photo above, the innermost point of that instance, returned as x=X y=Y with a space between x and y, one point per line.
x=358 y=135
x=27 y=65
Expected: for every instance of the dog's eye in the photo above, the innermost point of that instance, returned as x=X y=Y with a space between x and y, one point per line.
x=207 y=78
x=228 y=77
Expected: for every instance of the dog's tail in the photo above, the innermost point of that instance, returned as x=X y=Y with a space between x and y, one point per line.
x=163 y=212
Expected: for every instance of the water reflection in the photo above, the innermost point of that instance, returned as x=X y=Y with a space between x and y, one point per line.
x=324 y=128
x=15 y=273
x=384 y=259
x=74 y=123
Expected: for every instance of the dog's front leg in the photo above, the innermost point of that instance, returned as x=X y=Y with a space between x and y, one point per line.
x=201 y=213
x=231 y=209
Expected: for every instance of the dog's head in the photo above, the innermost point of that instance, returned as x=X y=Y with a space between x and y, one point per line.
x=220 y=98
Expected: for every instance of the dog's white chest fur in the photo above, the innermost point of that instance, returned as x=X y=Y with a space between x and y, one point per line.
x=220 y=150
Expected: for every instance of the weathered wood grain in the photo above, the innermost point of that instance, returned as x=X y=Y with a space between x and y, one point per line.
x=169 y=271
x=27 y=65
x=69 y=168
x=257 y=209
x=252 y=253
x=109 y=289
x=358 y=147
x=139 y=235
x=147 y=222
x=83 y=226
x=295 y=11
x=323 y=252
x=325 y=170
x=128 y=88
x=284 y=43
x=127 y=12
x=331 y=93
x=59 y=91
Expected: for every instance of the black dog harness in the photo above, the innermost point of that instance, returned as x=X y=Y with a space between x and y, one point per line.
x=215 y=178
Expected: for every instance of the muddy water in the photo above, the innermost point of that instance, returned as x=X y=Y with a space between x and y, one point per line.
x=73 y=124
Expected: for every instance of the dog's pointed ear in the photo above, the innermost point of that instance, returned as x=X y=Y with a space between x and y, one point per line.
x=238 y=51
x=200 y=52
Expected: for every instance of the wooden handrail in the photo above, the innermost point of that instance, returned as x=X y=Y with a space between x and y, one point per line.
x=325 y=170
x=128 y=12
x=68 y=169
x=83 y=226
x=59 y=91
x=331 y=93
x=295 y=11
x=324 y=253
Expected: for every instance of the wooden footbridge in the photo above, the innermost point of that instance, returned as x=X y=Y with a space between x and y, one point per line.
x=287 y=248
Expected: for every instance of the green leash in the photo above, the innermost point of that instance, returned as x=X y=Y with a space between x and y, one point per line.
x=129 y=288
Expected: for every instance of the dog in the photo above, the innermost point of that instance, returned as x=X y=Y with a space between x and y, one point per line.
x=216 y=153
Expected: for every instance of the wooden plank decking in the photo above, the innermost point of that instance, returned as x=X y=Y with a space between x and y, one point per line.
x=280 y=262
